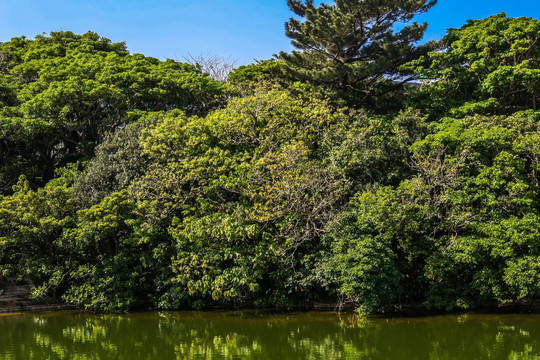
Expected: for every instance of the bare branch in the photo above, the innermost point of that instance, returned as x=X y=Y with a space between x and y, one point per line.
x=217 y=67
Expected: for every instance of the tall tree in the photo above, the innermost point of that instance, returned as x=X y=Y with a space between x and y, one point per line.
x=351 y=47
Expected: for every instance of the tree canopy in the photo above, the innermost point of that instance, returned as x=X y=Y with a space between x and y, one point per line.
x=490 y=65
x=129 y=182
x=63 y=93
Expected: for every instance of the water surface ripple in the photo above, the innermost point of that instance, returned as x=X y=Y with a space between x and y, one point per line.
x=257 y=335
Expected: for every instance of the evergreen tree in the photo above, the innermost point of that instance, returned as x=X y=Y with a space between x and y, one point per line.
x=350 y=48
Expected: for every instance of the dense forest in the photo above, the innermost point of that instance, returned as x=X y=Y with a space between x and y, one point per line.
x=365 y=167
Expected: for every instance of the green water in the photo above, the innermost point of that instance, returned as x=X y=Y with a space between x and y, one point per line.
x=252 y=335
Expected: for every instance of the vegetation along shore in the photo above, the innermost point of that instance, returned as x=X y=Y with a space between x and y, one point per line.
x=364 y=168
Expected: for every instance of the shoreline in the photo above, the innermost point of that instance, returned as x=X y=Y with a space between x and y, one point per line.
x=16 y=298
x=397 y=310
x=35 y=308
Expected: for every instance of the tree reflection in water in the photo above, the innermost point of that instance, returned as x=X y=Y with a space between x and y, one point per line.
x=255 y=335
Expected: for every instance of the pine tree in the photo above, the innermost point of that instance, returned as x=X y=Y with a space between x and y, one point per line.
x=351 y=48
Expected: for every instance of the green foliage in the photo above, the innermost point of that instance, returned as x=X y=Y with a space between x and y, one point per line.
x=350 y=48
x=482 y=177
x=487 y=66
x=117 y=162
x=62 y=94
x=264 y=70
x=108 y=269
x=248 y=195
x=361 y=262
x=277 y=197
x=463 y=230
x=373 y=149
x=30 y=224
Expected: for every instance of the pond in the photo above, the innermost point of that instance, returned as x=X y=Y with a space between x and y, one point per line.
x=263 y=335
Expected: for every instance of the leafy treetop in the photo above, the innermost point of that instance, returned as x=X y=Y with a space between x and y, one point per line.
x=490 y=66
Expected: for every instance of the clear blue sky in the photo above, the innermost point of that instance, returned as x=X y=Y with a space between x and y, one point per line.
x=239 y=29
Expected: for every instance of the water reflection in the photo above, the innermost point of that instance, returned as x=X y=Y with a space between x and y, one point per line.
x=252 y=335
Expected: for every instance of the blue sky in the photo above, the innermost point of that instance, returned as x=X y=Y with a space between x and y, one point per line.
x=239 y=29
